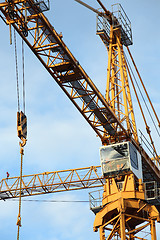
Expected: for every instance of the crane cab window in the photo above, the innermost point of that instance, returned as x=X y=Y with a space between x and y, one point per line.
x=120 y=159
x=134 y=157
x=115 y=159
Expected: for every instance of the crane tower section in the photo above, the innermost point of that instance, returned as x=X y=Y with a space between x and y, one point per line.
x=114 y=35
x=125 y=164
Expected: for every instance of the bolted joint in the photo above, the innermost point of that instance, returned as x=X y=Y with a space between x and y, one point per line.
x=95 y=229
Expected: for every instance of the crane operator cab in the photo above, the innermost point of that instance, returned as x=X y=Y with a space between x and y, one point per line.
x=120 y=159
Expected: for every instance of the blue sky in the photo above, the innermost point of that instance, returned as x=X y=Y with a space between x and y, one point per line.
x=58 y=137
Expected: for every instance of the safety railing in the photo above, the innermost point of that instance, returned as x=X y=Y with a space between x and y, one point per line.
x=95 y=199
x=44 y=5
x=152 y=191
x=103 y=28
x=121 y=20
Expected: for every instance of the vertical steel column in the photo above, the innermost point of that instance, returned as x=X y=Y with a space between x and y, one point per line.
x=109 y=64
x=102 y=233
x=153 y=230
x=122 y=226
x=131 y=237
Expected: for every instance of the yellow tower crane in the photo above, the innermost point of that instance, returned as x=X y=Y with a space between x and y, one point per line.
x=130 y=177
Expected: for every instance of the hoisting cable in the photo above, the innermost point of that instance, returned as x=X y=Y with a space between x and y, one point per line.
x=21 y=128
x=23 y=76
x=20 y=194
x=16 y=61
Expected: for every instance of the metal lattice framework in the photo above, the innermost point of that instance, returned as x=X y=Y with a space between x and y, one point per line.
x=51 y=182
x=52 y=52
x=112 y=119
x=118 y=92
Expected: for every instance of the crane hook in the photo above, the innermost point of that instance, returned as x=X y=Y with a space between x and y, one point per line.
x=22 y=128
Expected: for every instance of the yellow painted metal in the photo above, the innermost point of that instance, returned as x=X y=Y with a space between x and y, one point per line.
x=51 y=182
x=125 y=210
x=112 y=118
x=118 y=92
x=153 y=230
x=107 y=121
x=19 y=224
x=101 y=233
x=122 y=226
x=53 y=53
x=119 y=97
x=112 y=191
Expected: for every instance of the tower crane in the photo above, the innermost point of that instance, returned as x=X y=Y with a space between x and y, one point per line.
x=130 y=176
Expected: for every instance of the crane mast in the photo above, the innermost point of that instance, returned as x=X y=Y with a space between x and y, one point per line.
x=126 y=166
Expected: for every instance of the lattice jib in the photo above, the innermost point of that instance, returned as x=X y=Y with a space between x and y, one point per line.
x=49 y=48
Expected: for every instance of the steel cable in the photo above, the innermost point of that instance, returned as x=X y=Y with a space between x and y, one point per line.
x=16 y=60
x=142 y=97
x=20 y=195
x=23 y=76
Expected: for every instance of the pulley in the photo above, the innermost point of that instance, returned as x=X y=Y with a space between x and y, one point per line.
x=24 y=29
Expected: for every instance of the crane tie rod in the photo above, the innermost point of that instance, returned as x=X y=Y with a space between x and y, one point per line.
x=144 y=87
x=106 y=14
x=89 y=7
x=143 y=115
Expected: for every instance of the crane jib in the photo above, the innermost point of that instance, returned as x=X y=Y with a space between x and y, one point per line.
x=48 y=46
x=125 y=165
